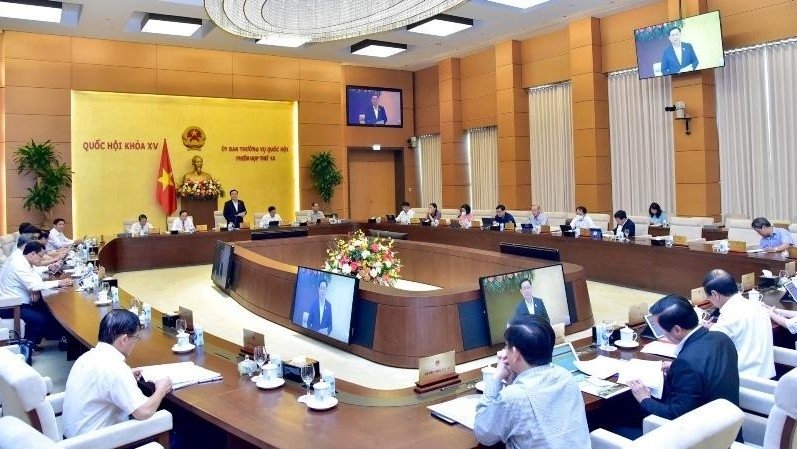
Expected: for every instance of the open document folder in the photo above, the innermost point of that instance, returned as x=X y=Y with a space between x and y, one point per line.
x=647 y=371
x=182 y=374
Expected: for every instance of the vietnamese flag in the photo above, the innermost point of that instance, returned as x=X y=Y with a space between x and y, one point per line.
x=166 y=191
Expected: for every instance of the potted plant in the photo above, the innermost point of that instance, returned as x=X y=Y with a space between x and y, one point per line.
x=52 y=177
x=325 y=174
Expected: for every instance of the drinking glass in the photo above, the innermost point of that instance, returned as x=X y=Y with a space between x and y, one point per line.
x=260 y=358
x=180 y=326
x=608 y=329
x=783 y=276
x=626 y=232
x=308 y=374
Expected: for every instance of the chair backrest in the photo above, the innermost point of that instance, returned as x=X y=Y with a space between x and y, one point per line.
x=521 y=215
x=602 y=221
x=218 y=219
x=739 y=229
x=257 y=217
x=127 y=224
x=556 y=219
x=642 y=223
x=711 y=426
x=8 y=243
x=303 y=215
x=16 y=434
x=478 y=214
x=689 y=227
x=781 y=430
x=449 y=213
x=24 y=395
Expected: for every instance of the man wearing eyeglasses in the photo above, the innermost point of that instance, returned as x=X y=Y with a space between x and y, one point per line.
x=101 y=389
x=20 y=279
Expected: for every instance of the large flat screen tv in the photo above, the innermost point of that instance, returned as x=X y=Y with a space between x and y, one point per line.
x=374 y=106
x=680 y=46
x=505 y=294
x=322 y=302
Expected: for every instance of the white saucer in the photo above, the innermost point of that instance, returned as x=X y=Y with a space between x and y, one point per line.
x=103 y=303
x=75 y=275
x=69 y=270
x=326 y=405
x=255 y=378
x=270 y=384
x=188 y=348
x=626 y=344
x=479 y=386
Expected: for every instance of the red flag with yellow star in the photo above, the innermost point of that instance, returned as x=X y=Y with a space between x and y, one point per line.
x=166 y=191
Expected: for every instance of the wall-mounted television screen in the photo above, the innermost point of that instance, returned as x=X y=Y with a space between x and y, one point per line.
x=322 y=302
x=374 y=106
x=541 y=290
x=680 y=46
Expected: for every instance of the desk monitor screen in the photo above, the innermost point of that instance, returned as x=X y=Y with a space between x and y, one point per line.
x=505 y=294
x=273 y=223
x=683 y=45
x=791 y=290
x=487 y=222
x=374 y=106
x=323 y=301
x=565 y=228
x=658 y=332
x=596 y=233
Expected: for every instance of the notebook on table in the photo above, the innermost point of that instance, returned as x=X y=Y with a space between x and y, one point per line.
x=182 y=374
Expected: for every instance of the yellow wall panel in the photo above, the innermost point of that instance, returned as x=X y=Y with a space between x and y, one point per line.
x=40 y=47
x=326 y=71
x=193 y=60
x=173 y=82
x=256 y=87
x=478 y=64
x=116 y=53
x=619 y=55
x=317 y=134
x=585 y=59
x=32 y=73
x=546 y=71
x=621 y=26
x=22 y=128
x=36 y=100
x=696 y=167
x=113 y=79
x=319 y=113
x=547 y=46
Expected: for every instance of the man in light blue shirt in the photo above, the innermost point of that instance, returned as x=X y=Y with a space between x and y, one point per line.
x=773 y=240
x=537 y=218
x=541 y=406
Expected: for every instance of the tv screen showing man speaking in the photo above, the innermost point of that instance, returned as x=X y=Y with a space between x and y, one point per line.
x=680 y=46
x=322 y=302
x=373 y=106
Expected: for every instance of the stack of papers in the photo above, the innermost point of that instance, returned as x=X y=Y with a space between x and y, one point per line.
x=601 y=388
x=646 y=371
x=461 y=409
x=661 y=348
x=182 y=374
x=601 y=366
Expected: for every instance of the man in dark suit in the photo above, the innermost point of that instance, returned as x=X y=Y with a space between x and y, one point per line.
x=376 y=114
x=677 y=56
x=705 y=367
x=234 y=210
x=319 y=317
x=623 y=223
x=530 y=304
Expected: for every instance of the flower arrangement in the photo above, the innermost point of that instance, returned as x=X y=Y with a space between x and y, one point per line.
x=209 y=188
x=371 y=259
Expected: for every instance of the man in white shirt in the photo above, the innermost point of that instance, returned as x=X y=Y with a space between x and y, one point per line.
x=316 y=213
x=744 y=321
x=184 y=223
x=530 y=402
x=406 y=215
x=270 y=216
x=19 y=279
x=141 y=227
x=57 y=238
x=537 y=218
x=101 y=389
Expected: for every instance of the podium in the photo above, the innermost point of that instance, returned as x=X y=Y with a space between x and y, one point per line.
x=201 y=209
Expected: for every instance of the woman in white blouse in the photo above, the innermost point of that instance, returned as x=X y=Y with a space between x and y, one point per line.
x=582 y=220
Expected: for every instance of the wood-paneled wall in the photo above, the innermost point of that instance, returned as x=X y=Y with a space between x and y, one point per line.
x=548 y=58
x=39 y=71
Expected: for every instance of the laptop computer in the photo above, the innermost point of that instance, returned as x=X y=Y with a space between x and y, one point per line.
x=567 y=230
x=791 y=291
x=654 y=331
x=390 y=218
x=596 y=233
x=487 y=222
x=273 y=223
x=564 y=355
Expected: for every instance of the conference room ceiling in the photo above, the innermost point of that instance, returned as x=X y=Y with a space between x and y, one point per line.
x=112 y=19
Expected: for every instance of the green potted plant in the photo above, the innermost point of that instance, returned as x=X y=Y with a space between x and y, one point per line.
x=52 y=177
x=325 y=174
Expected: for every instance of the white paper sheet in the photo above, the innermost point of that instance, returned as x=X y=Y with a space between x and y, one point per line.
x=461 y=409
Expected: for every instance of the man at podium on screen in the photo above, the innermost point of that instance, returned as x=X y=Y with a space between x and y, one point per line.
x=319 y=317
x=679 y=56
x=530 y=304
x=376 y=114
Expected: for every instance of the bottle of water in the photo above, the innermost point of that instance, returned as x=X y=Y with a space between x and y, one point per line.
x=276 y=359
x=600 y=335
x=329 y=377
x=501 y=226
x=229 y=226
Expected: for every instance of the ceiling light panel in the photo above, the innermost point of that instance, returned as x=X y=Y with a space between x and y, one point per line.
x=38 y=10
x=283 y=41
x=379 y=49
x=171 y=25
x=523 y=4
x=441 y=25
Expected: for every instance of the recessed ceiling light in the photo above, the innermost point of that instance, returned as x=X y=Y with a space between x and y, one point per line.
x=441 y=25
x=283 y=41
x=379 y=49
x=519 y=3
x=171 y=25
x=39 y=10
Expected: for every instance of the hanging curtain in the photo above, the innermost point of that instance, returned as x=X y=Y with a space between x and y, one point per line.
x=551 y=129
x=483 y=151
x=642 y=143
x=429 y=169
x=756 y=126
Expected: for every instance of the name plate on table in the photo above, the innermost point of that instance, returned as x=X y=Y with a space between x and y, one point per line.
x=736 y=246
x=415 y=220
x=584 y=232
x=790 y=268
x=188 y=316
x=792 y=251
x=252 y=339
x=545 y=228
x=509 y=227
x=679 y=240
x=748 y=281
x=436 y=371
x=699 y=296
x=699 y=245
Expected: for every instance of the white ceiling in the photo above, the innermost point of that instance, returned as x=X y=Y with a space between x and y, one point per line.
x=109 y=19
